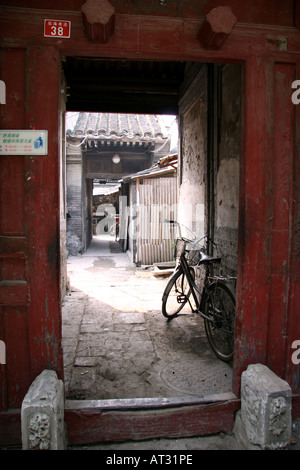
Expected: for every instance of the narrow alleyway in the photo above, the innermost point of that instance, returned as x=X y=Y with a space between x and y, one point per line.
x=117 y=344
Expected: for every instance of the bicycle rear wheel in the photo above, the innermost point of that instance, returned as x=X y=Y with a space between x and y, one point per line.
x=176 y=293
x=219 y=306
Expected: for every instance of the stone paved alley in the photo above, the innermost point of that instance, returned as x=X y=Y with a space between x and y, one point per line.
x=117 y=344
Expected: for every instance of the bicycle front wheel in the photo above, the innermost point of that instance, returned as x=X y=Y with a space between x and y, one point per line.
x=176 y=294
x=219 y=307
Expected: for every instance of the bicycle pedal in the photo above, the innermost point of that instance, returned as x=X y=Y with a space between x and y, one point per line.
x=181 y=299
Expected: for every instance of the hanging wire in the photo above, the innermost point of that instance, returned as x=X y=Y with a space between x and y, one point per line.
x=78 y=145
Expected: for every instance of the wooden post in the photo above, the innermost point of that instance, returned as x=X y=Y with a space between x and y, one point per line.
x=267 y=321
x=254 y=269
x=42 y=213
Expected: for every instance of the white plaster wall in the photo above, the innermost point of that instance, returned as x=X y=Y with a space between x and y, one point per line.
x=228 y=194
x=192 y=188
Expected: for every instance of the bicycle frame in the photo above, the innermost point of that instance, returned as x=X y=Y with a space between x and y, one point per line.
x=217 y=303
x=193 y=286
x=186 y=269
x=184 y=265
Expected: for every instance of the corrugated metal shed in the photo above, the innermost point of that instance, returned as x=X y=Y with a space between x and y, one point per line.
x=156 y=200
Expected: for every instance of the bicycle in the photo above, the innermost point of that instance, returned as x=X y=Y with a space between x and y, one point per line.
x=217 y=293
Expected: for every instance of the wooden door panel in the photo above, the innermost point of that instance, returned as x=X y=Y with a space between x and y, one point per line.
x=12 y=195
x=30 y=304
x=17 y=353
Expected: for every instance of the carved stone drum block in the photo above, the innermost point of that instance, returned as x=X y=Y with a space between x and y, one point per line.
x=42 y=414
x=265 y=407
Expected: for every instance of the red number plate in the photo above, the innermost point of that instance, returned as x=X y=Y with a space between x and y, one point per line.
x=57 y=29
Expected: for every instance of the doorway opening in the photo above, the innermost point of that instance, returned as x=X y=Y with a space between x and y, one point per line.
x=106 y=154
x=114 y=339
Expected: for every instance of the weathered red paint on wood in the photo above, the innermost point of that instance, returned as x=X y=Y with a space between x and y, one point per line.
x=99 y=20
x=80 y=431
x=254 y=223
x=10 y=428
x=17 y=354
x=91 y=426
x=216 y=28
x=264 y=12
x=29 y=236
x=14 y=290
x=292 y=372
x=29 y=217
x=267 y=301
x=142 y=37
x=42 y=212
x=14 y=293
x=282 y=218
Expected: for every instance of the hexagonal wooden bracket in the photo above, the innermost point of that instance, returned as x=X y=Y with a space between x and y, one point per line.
x=99 y=20
x=216 y=27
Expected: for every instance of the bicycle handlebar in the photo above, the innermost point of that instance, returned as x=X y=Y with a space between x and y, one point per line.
x=171 y=221
x=205 y=237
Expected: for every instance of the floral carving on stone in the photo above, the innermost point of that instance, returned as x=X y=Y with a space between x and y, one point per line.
x=278 y=422
x=39 y=432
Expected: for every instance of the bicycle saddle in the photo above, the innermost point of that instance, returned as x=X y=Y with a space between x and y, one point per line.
x=206 y=259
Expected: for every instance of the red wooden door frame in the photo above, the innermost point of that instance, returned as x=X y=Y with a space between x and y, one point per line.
x=268 y=271
x=33 y=68
x=29 y=241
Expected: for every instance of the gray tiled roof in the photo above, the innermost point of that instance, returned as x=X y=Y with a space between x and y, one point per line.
x=110 y=125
